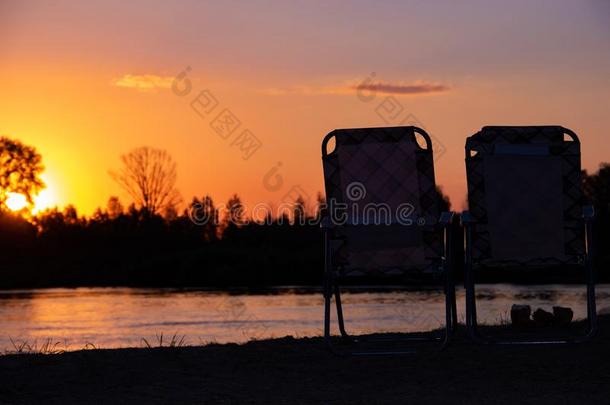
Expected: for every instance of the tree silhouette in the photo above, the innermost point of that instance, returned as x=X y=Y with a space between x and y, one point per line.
x=234 y=216
x=205 y=216
x=71 y=215
x=210 y=228
x=597 y=189
x=235 y=211
x=20 y=169
x=320 y=209
x=299 y=211
x=114 y=207
x=149 y=176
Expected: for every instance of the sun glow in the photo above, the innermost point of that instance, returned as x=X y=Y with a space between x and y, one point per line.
x=43 y=200
x=16 y=201
x=46 y=198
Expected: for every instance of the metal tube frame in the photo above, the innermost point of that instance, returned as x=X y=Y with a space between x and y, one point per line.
x=471 y=309
x=331 y=287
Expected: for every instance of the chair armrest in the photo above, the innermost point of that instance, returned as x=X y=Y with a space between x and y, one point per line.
x=326 y=224
x=446 y=218
x=466 y=218
x=588 y=212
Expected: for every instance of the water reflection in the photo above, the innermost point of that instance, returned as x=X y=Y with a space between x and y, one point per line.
x=121 y=317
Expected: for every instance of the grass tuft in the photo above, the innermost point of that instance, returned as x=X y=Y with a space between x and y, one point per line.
x=48 y=346
x=175 y=341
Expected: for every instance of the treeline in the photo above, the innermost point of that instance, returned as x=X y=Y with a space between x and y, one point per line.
x=131 y=247
x=597 y=192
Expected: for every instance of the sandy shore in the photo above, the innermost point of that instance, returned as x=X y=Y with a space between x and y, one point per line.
x=303 y=371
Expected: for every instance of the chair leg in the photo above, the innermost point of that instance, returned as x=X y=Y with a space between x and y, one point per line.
x=449 y=309
x=471 y=303
x=454 y=322
x=327 y=287
x=471 y=310
x=472 y=320
x=450 y=301
x=471 y=317
x=344 y=334
x=327 y=297
x=591 y=304
x=591 y=312
x=331 y=288
x=592 y=309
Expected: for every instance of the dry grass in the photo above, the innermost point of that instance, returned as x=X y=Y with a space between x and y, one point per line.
x=48 y=346
x=297 y=371
x=51 y=346
x=175 y=341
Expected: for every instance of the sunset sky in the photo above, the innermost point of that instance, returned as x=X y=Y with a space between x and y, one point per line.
x=84 y=82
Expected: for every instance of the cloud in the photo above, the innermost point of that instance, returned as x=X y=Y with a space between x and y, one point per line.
x=144 y=82
x=416 y=88
x=399 y=88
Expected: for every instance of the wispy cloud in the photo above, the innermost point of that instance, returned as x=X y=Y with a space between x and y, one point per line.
x=401 y=88
x=398 y=88
x=144 y=82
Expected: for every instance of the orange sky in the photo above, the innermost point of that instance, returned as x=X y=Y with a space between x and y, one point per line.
x=71 y=78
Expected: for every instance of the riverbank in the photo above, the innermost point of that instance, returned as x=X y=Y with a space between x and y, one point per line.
x=291 y=370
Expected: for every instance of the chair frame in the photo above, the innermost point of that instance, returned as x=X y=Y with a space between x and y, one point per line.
x=468 y=222
x=331 y=287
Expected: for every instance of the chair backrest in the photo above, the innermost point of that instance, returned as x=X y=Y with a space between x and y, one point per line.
x=382 y=199
x=525 y=196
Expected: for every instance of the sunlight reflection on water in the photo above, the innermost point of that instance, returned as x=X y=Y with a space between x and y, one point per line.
x=121 y=317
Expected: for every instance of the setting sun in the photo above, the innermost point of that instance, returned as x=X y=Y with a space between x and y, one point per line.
x=46 y=198
x=16 y=201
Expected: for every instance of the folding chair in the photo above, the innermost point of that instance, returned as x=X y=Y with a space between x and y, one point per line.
x=382 y=219
x=526 y=211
